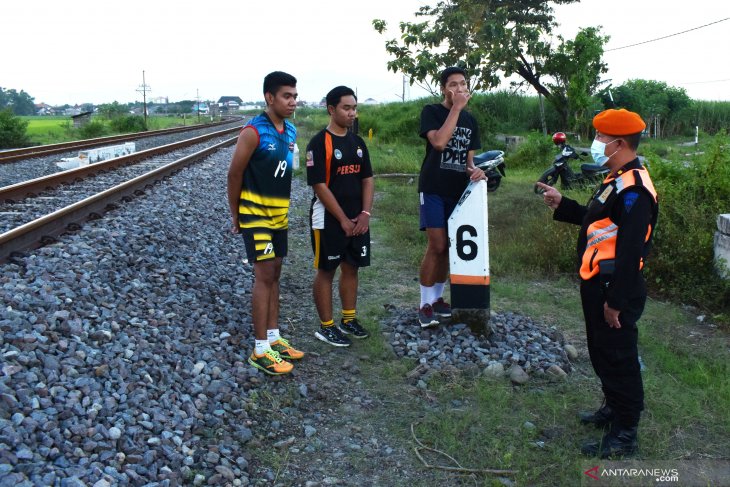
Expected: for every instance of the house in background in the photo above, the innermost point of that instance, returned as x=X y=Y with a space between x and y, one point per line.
x=253 y=105
x=74 y=110
x=43 y=109
x=229 y=103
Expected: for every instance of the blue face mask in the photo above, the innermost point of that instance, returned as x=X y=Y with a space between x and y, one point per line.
x=598 y=151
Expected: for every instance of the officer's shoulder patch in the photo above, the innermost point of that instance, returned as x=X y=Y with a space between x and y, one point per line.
x=629 y=200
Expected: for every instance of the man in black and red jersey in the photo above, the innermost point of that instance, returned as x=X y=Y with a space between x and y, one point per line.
x=339 y=171
x=616 y=231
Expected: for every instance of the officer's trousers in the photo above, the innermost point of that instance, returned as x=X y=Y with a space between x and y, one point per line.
x=614 y=352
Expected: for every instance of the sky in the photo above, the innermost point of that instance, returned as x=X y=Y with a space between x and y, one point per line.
x=79 y=51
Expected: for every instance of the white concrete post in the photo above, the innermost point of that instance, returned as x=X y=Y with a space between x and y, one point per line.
x=722 y=245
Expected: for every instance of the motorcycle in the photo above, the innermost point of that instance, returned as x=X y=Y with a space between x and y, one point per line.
x=590 y=174
x=492 y=163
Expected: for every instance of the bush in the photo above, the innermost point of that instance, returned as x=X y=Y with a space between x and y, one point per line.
x=691 y=195
x=92 y=130
x=536 y=153
x=129 y=123
x=12 y=131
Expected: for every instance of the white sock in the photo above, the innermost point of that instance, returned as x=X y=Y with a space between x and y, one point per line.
x=261 y=347
x=272 y=335
x=438 y=291
x=426 y=292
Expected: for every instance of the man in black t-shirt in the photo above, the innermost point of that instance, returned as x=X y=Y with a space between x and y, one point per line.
x=452 y=136
x=339 y=171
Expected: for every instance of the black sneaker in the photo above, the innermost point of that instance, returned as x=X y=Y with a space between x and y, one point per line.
x=426 y=317
x=353 y=328
x=333 y=336
x=441 y=308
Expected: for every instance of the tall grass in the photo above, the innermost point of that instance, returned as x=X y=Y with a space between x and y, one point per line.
x=710 y=116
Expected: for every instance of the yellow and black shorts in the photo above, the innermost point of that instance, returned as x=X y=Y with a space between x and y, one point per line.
x=264 y=244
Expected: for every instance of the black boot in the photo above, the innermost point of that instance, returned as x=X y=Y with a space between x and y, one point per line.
x=600 y=418
x=619 y=442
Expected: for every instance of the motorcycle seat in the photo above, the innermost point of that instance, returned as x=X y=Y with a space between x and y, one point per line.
x=592 y=168
x=487 y=156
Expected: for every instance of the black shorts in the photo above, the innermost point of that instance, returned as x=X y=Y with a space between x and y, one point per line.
x=331 y=246
x=264 y=244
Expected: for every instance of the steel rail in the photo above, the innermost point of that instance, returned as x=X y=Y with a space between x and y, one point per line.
x=13 y=155
x=46 y=228
x=24 y=189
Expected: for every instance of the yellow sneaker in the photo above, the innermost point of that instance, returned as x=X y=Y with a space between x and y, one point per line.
x=270 y=362
x=286 y=350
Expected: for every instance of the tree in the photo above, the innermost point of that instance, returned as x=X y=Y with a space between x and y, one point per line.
x=656 y=102
x=496 y=39
x=111 y=110
x=12 y=130
x=576 y=69
x=20 y=103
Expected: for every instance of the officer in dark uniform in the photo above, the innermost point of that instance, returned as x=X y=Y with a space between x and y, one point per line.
x=615 y=236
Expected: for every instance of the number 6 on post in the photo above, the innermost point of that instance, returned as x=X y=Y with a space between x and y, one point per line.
x=469 y=259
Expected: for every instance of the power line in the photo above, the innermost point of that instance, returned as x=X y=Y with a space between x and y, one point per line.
x=670 y=35
x=702 y=82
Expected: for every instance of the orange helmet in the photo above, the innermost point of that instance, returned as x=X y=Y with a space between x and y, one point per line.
x=559 y=138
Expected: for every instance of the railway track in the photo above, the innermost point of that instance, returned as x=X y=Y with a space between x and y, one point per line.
x=35 y=212
x=13 y=155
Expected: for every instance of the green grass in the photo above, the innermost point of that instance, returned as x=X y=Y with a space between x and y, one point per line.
x=51 y=130
x=390 y=158
x=48 y=130
x=687 y=381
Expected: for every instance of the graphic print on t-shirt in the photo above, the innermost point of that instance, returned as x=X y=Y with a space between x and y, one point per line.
x=454 y=155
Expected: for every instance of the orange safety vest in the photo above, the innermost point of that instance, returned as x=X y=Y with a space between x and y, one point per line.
x=602 y=234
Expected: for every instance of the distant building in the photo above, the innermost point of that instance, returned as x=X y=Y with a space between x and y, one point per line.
x=252 y=105
x=202 y=108
x=229 y=103
x=371 y=101
x=73 y=111
x=43 y=109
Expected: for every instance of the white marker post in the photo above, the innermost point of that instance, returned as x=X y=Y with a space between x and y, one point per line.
x=469 y=259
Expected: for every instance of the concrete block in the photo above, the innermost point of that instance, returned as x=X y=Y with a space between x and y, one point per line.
x=722 y=245
x=723 y=223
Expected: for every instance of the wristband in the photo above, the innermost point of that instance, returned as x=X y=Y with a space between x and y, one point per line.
x=366 y=212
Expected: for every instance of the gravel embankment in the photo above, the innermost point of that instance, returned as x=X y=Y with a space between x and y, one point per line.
x=123 y=352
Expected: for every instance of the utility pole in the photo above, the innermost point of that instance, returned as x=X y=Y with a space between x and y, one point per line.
x=197 y=100
x=143 y=88
x=402 y=95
